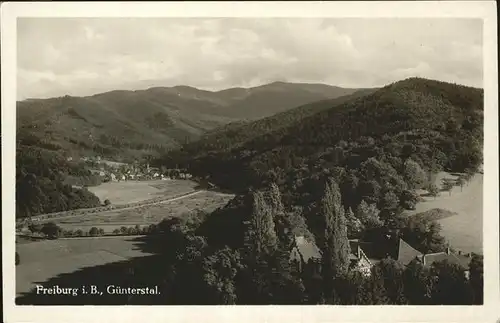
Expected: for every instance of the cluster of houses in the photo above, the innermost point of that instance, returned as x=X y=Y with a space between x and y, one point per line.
x=116 y=172
x=306 y=256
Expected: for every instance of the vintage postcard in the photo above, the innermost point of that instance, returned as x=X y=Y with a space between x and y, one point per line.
x=200 y=161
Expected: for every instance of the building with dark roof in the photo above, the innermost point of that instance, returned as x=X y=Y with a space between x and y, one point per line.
x=306 y=255
x=406 y=253
x=394 y=248
x=359 y=259
x=451 y=257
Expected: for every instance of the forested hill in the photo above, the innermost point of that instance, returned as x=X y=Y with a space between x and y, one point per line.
x=134 y=123
x=44 y=181
x=437 y=124
x=238 y=133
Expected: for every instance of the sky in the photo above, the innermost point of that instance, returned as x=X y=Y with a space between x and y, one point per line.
x=84 y=56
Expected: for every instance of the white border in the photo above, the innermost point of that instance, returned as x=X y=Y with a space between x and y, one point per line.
x=479 y=9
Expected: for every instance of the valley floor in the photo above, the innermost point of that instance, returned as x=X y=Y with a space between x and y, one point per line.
x=47 y=259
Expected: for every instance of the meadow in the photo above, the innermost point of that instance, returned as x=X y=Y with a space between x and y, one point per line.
x=43 y=260
x=146 y=214
x=464 y=229
x=126 y=192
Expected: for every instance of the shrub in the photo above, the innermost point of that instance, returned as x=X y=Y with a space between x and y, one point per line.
x=433 y=190
x=35 y=227
x=51 y=230
x=68 y=233
x=94 y=232
x=409 y=199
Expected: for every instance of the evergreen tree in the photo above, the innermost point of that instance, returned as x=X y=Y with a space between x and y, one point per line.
x=281 y=220
x=260 y=237
x=336 y=245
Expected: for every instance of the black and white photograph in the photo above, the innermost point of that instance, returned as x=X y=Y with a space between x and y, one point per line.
x=250 y=160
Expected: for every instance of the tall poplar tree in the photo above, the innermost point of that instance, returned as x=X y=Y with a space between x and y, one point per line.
x=281 y=220
x=336 y=245
x=260 y=237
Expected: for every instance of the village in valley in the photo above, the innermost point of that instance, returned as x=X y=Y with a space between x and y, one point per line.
x=117 y=172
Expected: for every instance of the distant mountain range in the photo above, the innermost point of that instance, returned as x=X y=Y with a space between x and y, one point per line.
x=131 y=123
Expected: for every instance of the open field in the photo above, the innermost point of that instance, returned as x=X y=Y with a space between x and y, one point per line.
x=44 y=260
x=464 y=230
x=147 y=214
x=137 y=191
x=49 y=258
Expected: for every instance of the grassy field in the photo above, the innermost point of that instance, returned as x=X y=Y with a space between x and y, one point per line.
x=46 y=259
x=145 y=215
x=137 y=191
x=464 y=230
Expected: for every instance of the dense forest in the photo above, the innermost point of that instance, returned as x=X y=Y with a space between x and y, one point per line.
x=44 y=181
x=249 y=263
x=374 y=144
x=236 y=134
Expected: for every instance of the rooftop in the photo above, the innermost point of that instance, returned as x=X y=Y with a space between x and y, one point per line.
x=406 y=253
x=451 y=257
x=307 y=249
